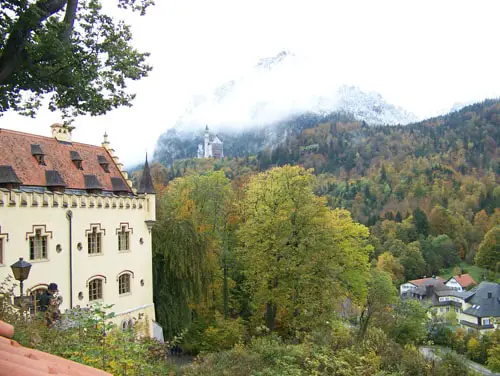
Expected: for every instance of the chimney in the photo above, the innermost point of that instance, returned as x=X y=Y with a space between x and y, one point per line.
x=61 y=132
x=490 y=295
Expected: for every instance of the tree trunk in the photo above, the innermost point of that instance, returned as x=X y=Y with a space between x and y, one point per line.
x=13 y=54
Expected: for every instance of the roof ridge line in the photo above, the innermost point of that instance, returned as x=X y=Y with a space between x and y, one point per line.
x=48 y=137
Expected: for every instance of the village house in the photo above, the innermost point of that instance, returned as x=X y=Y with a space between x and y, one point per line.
x=422 y=288
x=478 y=310
x=461 y=282
x=70 y=210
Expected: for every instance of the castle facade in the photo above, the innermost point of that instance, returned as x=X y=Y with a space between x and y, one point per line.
x=70 y=210
x=212 y=147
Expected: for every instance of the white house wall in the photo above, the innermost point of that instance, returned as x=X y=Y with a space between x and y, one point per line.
x=21 y=211
x=453 y=284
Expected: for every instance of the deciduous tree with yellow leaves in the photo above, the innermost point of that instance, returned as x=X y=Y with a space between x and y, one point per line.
x=300 y=257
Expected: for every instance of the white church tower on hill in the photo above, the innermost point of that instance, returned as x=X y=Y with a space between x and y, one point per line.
x=212 y=148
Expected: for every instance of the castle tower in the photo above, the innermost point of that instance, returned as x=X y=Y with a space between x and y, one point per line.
x=216 y=148
x=61 y=132
x=208 y=148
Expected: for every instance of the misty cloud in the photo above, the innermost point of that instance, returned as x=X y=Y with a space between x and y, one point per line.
x=282 y=86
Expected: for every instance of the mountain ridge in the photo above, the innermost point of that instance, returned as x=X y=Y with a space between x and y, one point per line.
x=281 y=86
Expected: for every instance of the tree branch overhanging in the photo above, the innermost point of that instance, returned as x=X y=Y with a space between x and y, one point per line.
x=13 y=55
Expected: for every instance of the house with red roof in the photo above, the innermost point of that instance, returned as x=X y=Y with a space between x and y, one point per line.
x=70 y=210
x=421 y=288
x=461 y=282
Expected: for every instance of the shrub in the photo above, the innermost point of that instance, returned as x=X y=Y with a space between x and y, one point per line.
x=220 y=334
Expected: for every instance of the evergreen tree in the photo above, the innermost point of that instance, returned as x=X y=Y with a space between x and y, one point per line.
x=421 y=222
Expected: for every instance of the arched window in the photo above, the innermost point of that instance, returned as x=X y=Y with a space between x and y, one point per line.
x=95 y=289
x=124 y=283
x=35 y=293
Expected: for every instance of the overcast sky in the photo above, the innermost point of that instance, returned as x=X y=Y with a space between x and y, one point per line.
x=421 y=55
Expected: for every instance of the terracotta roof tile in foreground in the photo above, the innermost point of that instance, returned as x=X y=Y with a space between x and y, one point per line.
x=16 y=360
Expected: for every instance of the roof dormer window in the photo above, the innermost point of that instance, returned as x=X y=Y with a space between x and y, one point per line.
x=38 y=153
x=92 y=184
x=8 y=178
x=103 y=162
x=76 y=159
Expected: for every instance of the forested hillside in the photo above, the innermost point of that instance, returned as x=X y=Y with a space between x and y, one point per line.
x=447 y=167
x=320 y=229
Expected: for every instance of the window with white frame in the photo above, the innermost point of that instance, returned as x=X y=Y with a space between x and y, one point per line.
x=94 y=240
x=124 y=239
x=38 y=246
x=486 y=321
x=124 y=284
x=95 y=289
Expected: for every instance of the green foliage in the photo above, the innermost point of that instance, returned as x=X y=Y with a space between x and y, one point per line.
x=192 y=250
x=376 y=355
x=421 y=222
x=388 y=263
x=409 y=322
x=428 y=193
x=488 y=255
x=89 y=337
x=440 y=175
x=494 y=358
x=220 y=334
x=453 y=365
x=180 y=272
x=71 y=50
x=475 y=271
x=413 y=262
x=413 y=363
x=381 y=294
x=299 y=256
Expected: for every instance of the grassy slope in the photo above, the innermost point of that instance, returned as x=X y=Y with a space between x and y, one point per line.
x=475 y=271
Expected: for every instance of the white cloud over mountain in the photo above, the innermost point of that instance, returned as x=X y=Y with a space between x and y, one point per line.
x=285 y=85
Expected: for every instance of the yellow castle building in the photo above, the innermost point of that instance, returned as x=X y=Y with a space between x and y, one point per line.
x=70 y=210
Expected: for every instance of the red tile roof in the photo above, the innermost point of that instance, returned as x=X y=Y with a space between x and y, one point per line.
x=423 y=281
x=16 y=360
x=15 y=150
x=465 y=280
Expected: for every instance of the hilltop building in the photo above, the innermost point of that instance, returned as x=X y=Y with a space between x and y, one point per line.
x=70 y=210
x=212 y=147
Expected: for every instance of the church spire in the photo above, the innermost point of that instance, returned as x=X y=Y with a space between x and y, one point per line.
x=146 y=184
